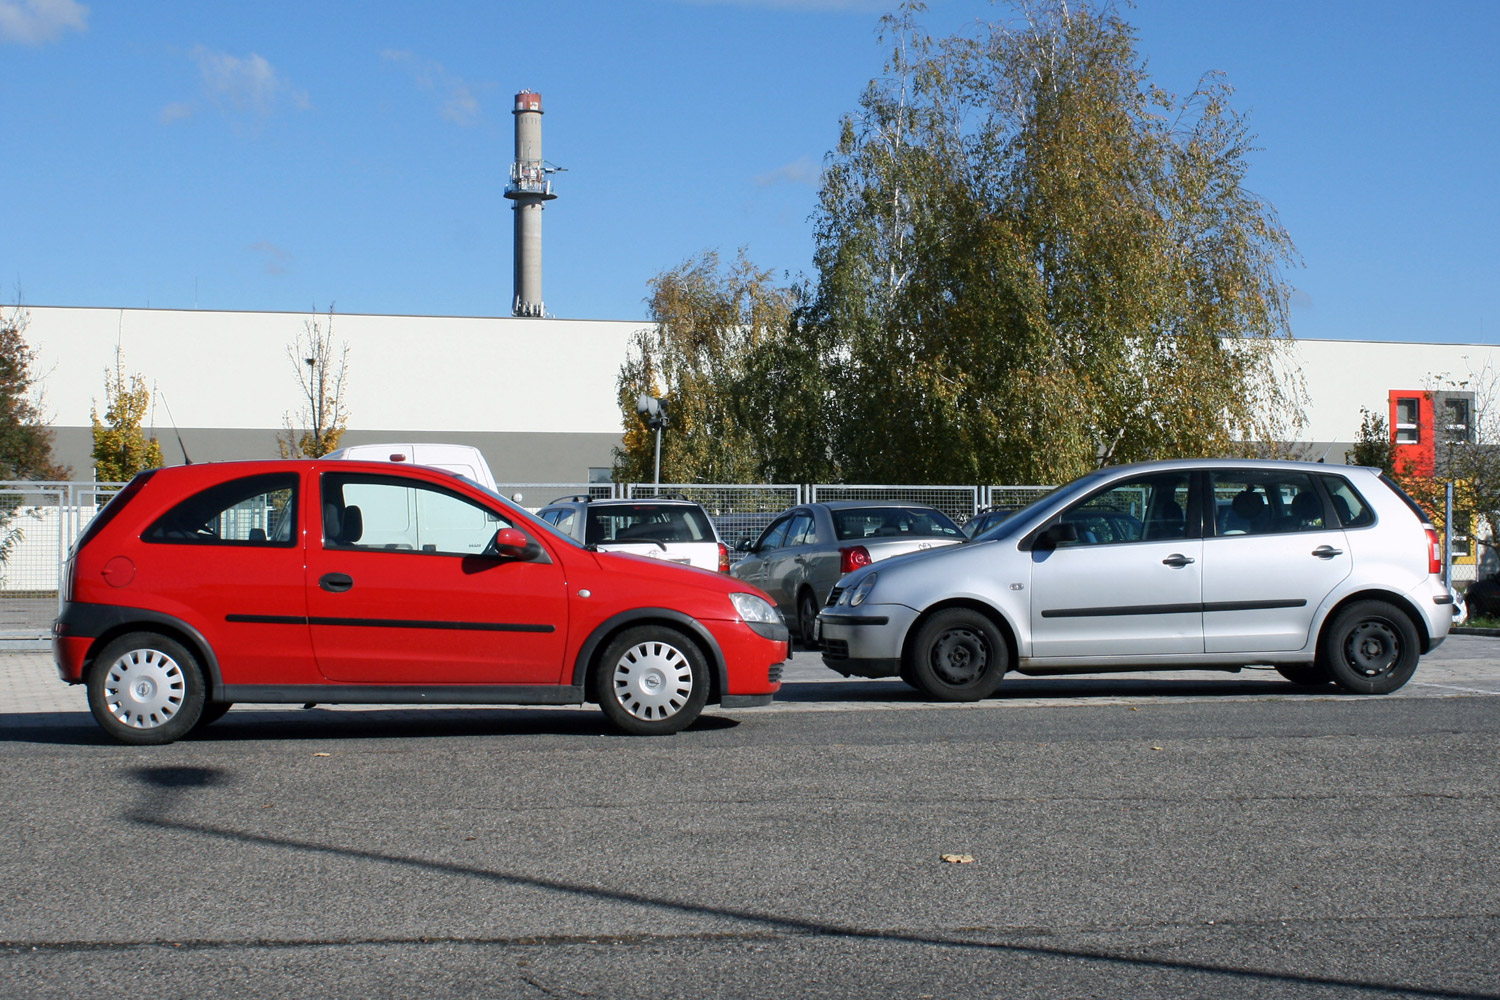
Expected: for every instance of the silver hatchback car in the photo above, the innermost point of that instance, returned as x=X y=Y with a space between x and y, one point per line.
x=1330 y=574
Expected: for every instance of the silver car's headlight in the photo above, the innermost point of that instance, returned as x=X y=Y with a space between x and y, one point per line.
x=755 y=609
x=858 y=594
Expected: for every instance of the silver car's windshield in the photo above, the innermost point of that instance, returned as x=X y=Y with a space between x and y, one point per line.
x=1023 y=520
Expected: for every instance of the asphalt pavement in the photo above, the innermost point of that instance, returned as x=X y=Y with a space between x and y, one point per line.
x=1193 y=835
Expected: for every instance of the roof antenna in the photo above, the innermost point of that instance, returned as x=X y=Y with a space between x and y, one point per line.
x=163 y=397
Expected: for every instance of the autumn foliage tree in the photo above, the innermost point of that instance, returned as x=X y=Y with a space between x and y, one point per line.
x=708 y=319
x=1030 y=260
x=321 y=364
x=25 y=440
x=1040 y=261
x=122 y=447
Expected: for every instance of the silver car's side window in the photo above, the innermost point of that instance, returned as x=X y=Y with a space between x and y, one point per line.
x=771 y=538
x=1265 y=503
x=1349 y=507
x=800 y=531
x=1139 y=510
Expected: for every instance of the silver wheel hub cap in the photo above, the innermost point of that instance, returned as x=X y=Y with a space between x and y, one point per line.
x=653 y=680
x=144 y=688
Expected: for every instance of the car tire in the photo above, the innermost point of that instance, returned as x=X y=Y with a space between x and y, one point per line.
x=807 y=619
x=146 y=689
x=959 y=655
x=1371 y=647
x=651 y=681
x=1306 y=674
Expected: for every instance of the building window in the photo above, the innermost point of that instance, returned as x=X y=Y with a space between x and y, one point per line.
x=1455 y=420
x=1408 y=429
x=1463 y=522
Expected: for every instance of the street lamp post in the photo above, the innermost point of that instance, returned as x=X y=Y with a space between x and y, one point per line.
x=654 y=412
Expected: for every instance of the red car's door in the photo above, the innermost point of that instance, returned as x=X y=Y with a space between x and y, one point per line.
x=401 y=592
x=228 y=560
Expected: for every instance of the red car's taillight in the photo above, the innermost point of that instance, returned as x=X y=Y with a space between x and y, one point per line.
x=1434 y=553
x=853 y=558
x=723 y=558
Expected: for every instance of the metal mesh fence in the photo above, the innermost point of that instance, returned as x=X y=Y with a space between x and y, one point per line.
x=38 y=523
x=958 y=502
x=534 y=496
x=1014 y=497
x=738 y=511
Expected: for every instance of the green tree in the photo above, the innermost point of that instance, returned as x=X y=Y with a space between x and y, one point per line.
x=25 y=441
x=121 y=447
x=708 y=320
x=1373 y=447
x=322 y=366
x=1031 y=260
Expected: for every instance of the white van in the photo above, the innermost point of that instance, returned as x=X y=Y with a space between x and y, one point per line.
x=460 y=458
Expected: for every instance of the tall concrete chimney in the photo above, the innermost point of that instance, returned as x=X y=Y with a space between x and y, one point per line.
x=529 y=187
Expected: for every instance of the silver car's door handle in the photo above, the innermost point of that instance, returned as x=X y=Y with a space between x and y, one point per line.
x=1327 y=552
x=1176 y=559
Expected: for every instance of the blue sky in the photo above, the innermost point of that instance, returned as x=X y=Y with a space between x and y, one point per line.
x=289 y=156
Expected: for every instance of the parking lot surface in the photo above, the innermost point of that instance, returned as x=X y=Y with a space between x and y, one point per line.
x=31 y=694
x=1203 y=835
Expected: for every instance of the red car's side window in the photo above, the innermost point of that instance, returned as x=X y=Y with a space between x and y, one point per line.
x=254 y=511
x=402 y=515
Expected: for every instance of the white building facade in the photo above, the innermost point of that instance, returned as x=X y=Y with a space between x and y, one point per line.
x=538 y=396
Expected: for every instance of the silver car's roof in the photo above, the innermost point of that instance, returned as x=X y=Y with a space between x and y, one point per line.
x=1188 y=464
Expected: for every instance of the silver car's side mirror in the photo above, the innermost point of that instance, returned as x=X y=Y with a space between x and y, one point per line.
x=1064 y=531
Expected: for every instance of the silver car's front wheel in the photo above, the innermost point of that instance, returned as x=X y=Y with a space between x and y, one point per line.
x=958 y=655
x=651 y=681
x=145 y=688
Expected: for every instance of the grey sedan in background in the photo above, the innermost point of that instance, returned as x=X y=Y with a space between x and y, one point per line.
x=804 y=551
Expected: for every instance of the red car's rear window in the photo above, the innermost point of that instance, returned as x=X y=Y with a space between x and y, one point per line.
x=112 y=509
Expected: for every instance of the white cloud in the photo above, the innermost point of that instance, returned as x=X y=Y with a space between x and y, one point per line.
x=277 y=260
x=801 y=171
x=245 y=85
x=176 y=111
x=32 y=22
x=457 y=103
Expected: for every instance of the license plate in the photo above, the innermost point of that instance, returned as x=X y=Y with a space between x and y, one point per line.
x=817 y=630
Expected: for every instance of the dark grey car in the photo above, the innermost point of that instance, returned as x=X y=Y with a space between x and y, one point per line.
x=804 y=551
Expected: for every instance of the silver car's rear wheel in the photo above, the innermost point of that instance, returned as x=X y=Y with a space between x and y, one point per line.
x=145 y=688
x=1371 y=647
x=651 y=680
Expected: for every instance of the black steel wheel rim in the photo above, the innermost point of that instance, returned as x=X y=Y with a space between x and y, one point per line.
x=960 y=656
x=1373 y=648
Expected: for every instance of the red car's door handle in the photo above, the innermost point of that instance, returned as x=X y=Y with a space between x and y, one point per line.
x=336 y=583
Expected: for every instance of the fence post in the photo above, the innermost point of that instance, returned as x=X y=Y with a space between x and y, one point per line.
x=1448 y=536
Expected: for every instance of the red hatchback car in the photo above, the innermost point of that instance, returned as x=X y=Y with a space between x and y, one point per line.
x=359 y=582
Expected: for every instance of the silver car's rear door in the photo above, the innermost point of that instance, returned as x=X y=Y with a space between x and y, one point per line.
x=1277 y=552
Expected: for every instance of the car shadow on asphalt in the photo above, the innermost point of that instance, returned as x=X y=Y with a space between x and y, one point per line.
x=1017 y=688
x=245 y=725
